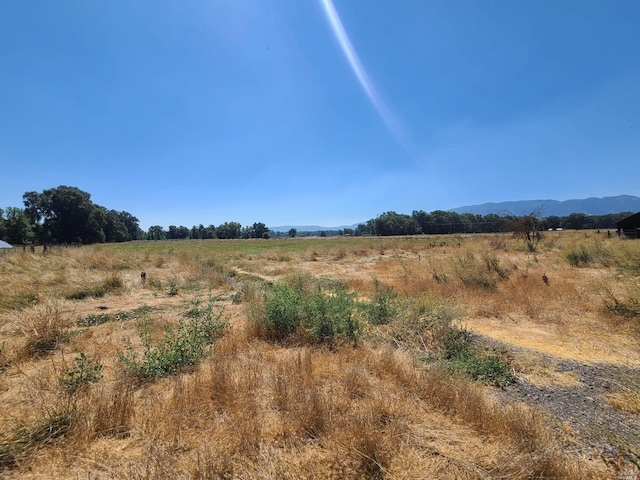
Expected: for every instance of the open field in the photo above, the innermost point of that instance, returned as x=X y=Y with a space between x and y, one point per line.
x=425 y=357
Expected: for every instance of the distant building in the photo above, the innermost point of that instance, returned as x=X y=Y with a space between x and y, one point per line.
x=630 y=226
x=4 y=247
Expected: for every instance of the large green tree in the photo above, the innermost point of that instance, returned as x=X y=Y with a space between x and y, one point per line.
x=17 y=227
x=67 y=215
x=229 y=230
x=156 y=232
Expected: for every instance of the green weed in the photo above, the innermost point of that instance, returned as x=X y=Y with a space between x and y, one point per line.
x=463 y=357
x=384 y=304
x=180 y=347
x=121 y=316
x=85 y=373
x=299 y=306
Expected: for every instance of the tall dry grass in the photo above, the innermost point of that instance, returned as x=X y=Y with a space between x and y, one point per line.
x=262 y=409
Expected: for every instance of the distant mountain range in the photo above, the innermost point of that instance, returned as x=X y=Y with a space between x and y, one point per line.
x=589 y=206
x=312 y=228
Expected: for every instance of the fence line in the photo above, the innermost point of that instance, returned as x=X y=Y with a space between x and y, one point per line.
x=35 y=249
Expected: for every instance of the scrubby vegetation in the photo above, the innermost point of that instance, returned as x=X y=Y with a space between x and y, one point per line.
x=310 y=358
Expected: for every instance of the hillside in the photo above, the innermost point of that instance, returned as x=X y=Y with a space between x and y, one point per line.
x=590 y=206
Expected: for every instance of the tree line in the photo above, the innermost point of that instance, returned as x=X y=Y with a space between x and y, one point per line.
x=440 y=221
x=66 y=215
x=227 y=230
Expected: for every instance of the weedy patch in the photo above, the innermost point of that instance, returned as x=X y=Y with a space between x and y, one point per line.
x=173 y=287
x=384 y=304
x=182 y=346
x=18 y=301
x=84 y=373
x=299 y=308
x=464 y=357
x=474 y=273
x=580 y=258
x=120 y=316
x=629 y=308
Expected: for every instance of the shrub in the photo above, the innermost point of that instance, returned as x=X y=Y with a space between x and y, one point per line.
x=383 y=305
x=493 y=266
x=423 y=323
x=183 y=346
x=327 y=317
x=85 y=373
x=173 y=287
x=299 y=306
x=282 y=311
x=629 y=308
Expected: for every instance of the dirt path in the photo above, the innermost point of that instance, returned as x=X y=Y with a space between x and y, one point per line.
x=597 y=428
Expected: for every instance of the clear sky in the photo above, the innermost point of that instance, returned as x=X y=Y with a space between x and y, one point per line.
x=317 y=111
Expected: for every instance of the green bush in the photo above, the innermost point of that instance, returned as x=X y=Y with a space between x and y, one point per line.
x=383 y=305
x=84 y=373
x=180 y=347
x=282 y=311
x=300 y=307
x=330 y=316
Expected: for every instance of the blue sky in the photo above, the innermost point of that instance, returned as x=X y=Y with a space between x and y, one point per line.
x=317 y=111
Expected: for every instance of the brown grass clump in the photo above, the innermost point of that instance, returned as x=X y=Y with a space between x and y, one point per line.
x=626 y=400
x=44 y=328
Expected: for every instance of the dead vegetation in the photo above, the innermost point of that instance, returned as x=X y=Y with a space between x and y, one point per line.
x=343 y=358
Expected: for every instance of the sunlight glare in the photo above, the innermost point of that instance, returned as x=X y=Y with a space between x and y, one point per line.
x=365 y=82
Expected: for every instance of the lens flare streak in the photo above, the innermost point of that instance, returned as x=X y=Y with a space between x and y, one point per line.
x=361 y=74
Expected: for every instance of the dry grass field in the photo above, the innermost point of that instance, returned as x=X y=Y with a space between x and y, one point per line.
x=400 y=358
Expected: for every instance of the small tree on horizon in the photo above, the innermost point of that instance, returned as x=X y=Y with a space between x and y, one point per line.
x=526 y=227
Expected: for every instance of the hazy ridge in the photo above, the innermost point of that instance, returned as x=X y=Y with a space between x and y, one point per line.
x=548 y=208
